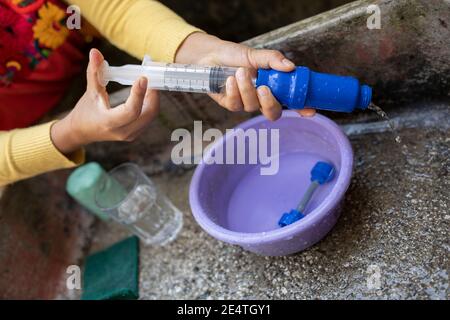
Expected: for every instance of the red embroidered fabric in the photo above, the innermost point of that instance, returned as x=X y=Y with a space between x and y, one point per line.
x=39 y=56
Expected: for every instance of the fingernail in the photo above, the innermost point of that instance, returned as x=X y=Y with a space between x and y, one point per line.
x=143 y=83
x=288 y=63
x=91 y=54
x=240 y=74
x=229 y=83
x=307 y=112
x=263 y=91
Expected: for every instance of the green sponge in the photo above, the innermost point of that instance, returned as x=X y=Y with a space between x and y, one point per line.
x=113 y=274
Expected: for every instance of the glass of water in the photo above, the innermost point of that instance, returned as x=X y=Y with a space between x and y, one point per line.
x=128 y=196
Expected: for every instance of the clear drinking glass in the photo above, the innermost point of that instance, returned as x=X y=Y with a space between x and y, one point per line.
x=128 y=196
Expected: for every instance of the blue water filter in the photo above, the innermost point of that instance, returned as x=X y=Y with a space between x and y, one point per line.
x=305 y=88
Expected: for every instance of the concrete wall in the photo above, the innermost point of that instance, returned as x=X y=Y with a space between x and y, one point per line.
x=239 y=20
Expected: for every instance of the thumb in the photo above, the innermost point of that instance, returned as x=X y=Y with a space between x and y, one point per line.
x=270 y=59
x=95 y=64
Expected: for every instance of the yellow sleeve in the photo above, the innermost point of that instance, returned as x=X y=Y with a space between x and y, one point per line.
x=28 y=152
x=138 y=27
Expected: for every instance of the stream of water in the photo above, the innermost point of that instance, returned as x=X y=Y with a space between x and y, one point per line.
x=381 y=113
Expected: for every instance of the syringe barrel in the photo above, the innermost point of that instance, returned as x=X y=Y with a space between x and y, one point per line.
x=171 y=76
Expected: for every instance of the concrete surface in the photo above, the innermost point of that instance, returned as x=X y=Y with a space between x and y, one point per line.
x=42 y=232
x=395 y=220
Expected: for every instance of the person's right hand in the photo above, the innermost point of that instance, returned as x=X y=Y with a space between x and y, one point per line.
x=240 y=94
x=93 y=119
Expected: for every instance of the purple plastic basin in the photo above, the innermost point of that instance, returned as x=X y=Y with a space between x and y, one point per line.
x=236 y=204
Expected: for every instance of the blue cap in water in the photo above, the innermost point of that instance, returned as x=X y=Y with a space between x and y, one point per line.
x=289 y=218
x=303 y=87
x=322 y=172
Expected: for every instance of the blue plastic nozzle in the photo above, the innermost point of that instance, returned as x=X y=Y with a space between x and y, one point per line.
x=290 y=218
x=303 y=87
x=322 y=173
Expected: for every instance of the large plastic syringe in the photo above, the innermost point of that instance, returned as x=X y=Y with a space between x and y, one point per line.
x=170 y=76
x=295 y=90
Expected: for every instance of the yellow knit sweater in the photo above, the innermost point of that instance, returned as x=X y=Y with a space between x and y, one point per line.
x=137 y=26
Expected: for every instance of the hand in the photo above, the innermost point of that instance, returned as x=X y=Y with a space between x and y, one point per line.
x=204 y=49
x=93 y=119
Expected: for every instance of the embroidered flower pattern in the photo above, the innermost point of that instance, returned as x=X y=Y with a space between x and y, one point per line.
x=13 y=67
x=15 y=37
x=15 y=32
x=29 y=31
x=25 y=6
x=50 y=29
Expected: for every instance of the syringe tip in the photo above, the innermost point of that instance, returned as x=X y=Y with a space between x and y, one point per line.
x=365 y=97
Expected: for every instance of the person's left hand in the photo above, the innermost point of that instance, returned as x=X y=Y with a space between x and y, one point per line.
x=93 y=119
x=241 y=94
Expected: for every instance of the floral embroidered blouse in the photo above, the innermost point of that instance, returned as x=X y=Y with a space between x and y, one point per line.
x=39 y=56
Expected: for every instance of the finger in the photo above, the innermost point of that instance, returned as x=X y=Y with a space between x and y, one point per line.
x=94 y=88
x=307 y=112
x=247 y=90
x=95 y=64
x=149 y=112
x=270 y=107
x=131 y=109
x=150 y=109
x=233 y=101
x=270 y=59
x=220 y=98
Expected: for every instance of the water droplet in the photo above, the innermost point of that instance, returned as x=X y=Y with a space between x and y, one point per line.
x=380 y=112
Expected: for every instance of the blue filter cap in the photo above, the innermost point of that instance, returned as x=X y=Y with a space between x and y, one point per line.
x=291 y=217
x=305 y=88
x=322 y=172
